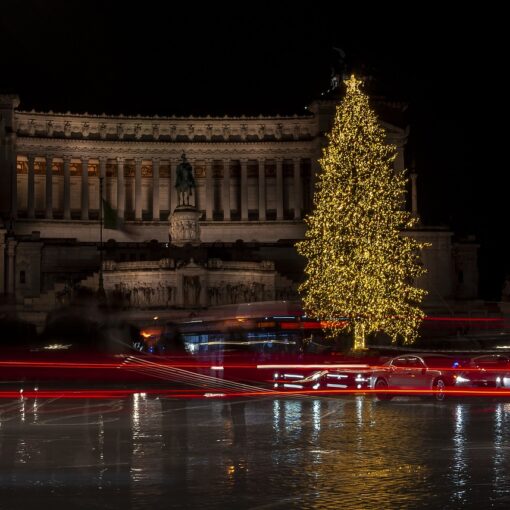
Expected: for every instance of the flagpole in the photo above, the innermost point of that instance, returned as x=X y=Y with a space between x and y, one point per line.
x=101 y=292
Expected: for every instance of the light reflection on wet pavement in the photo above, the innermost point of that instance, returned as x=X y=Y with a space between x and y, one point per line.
x=349 y=453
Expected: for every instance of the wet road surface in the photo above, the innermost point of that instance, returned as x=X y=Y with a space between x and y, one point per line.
x=321 y=453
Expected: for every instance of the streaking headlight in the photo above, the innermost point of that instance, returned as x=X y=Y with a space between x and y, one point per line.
x=57 y=346
x=461 y=379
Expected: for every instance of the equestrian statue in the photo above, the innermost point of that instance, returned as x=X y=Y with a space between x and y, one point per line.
x=184 y=181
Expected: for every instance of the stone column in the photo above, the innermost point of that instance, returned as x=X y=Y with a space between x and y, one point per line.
x=102 y=175
x=173 y=192
x=12 y=168
x=194 y=199
x=226 y=190
x=121 y=190
x=262 y=190
x=155 y=189
x=11 y=270
x=298 y=193
x=398 y=164
x=49 y=187
x=279 y=189
x=8 y=165
x=244 y=190
x=3 y=232
x=315 y=171
x=209 y=190
x=414 y=196
x=85 y=188
x=67 y=188
x=138 y=189
x=31 y=187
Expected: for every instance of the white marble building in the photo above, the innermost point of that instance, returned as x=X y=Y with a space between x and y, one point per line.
x=255 y=179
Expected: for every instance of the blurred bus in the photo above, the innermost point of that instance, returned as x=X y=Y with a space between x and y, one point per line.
x=270 y=327
x=281 y=327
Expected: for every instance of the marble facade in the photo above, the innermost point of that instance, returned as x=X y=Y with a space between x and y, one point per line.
x=255 y=180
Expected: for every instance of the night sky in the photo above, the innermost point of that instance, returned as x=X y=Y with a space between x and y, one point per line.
x=275 y=57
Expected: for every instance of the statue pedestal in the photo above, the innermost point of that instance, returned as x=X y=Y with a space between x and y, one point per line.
x=184 y=227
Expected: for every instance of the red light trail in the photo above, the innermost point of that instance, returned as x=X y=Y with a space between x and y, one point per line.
x=213 y=393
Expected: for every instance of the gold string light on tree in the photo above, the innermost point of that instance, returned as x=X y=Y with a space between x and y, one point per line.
x=360 y=264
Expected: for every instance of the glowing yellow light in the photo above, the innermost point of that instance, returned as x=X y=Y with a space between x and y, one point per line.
x=359 y=264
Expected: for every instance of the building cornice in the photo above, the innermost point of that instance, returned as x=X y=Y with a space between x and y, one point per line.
x=220 y=118
x=213 y=129
x=59 y=147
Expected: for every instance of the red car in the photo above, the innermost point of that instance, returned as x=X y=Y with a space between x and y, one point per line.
x=414 y=372
x=487 y=371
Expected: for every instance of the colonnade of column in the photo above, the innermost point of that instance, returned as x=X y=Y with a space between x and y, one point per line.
x=155 y=210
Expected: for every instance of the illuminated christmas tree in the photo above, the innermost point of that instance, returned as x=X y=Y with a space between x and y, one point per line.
x=360 y=264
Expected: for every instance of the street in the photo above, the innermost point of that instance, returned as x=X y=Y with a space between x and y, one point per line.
x=350 y=452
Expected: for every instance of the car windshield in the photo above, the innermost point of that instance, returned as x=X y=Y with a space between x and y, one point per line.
x=439 y=361
x=491 y=361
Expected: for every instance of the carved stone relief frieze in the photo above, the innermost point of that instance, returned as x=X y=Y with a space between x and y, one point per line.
x=143 y=294
x=184 y=227
x=228 y=293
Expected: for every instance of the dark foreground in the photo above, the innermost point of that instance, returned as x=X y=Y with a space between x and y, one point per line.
x=350 y=452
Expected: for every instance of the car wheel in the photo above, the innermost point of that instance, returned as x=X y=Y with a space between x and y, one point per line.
x=439 y=390
x=381 y=384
